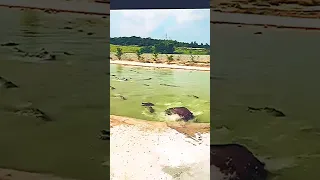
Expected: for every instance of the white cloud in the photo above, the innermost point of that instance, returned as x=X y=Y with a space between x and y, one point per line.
x=144 y=22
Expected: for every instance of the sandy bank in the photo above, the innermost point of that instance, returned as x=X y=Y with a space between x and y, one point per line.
x=157 y=150
x=159 y=65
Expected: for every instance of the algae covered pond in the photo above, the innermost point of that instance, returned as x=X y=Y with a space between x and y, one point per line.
x=165 y=88
x=71 y=90
x=277 y=68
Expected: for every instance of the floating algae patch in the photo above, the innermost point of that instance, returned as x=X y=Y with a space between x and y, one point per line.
x=164 y=88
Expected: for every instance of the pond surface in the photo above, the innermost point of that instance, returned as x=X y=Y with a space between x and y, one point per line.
x=263 y=19
x=163 y=87
x=279 y=69
x=72 y=90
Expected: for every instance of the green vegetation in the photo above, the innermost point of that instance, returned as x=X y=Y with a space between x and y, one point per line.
x=119 y=53
x=169 y=58
x=194 y=51
x=125 y=49
x=134 y=40
x=148 y=45
x=139 y=54
x=155 y=56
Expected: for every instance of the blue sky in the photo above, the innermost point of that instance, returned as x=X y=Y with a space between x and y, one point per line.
x=184 y=25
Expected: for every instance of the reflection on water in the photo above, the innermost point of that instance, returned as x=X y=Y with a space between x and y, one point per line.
x=162 y=87
x=277 y=69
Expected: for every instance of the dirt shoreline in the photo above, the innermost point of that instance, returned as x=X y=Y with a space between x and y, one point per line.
x=160 y=65
x=189 y=129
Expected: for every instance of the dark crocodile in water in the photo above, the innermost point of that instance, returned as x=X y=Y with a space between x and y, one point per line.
x=183 y=112
x=147 y=104
x=120 y=96
x=169 y=85
x=238 y=161
x=271 y=111
x=150 y=109
x=43 y=54
x=10 y=44
x=29 y=112
x=104 y=134
x=7 y=84
x=197 y=97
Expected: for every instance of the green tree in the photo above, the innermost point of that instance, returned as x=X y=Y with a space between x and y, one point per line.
x=147 y=49
x=139 y=54
x=119 y=53
x=164 y=48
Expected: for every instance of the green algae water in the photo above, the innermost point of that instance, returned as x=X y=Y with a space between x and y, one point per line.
x=164 y=88
x=278 y=68
x=72 y=90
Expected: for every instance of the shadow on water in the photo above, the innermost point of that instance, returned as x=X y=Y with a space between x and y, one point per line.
x=277 y=69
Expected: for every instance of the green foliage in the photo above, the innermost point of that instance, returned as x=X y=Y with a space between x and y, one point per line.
x=139 y=54
x=147 y=49
x=138 y=41
x=155 y=56
x=197 y=51
x=169 y=57
x=148 y=45
x=125 y=49
x=119 y=53
x=164 y=48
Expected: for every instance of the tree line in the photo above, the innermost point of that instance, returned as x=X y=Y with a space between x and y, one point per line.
x=139 y=41
x=150 y=45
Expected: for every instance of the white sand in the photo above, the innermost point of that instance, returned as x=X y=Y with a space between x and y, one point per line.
x=140 y=154
x=158 y=65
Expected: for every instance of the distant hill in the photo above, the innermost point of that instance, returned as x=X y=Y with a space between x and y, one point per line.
x=139 y=41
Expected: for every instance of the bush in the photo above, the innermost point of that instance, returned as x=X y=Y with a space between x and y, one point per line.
x=139 y=54
x=119 y=53
x=155 y=56
x=169 y=57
